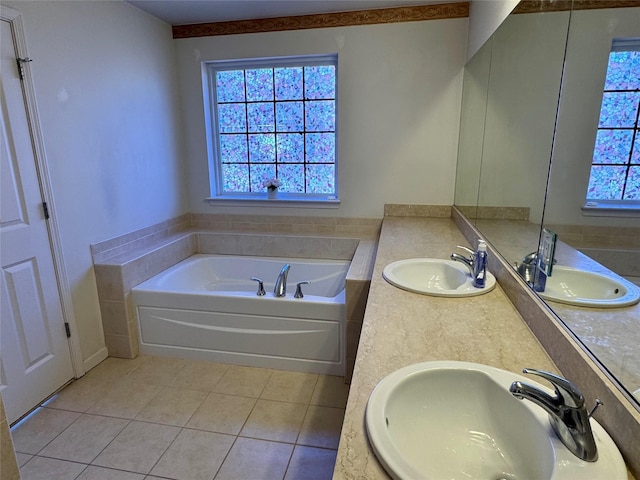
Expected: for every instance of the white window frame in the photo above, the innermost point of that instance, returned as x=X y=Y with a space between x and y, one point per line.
x=209 y=70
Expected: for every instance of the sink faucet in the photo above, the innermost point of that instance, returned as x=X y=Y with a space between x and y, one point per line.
x=280 y=290
x=567 y=413
x=468 y=261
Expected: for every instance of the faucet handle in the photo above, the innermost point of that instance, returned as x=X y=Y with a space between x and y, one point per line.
x=298 y=293
x=466 y=249
x=260 y=291
x=569 y=393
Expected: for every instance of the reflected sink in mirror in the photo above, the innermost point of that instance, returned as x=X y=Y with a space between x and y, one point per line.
x=458 y=420
x=589 y=289
x=434 y=276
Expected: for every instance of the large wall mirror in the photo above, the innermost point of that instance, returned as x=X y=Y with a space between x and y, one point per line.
x=531 y=104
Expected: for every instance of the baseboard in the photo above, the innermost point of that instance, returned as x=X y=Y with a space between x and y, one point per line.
x=95 y=359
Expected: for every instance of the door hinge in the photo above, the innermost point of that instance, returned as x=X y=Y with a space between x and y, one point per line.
x=45 y=209
x=21 y=62
x=67 y=329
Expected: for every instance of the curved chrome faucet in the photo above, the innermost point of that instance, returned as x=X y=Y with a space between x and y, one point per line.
x=461 y=258
x=280 y=289
x=567 y=413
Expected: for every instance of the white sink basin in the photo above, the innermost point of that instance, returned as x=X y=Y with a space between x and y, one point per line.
x=458 y=420
x=433 y=276
x=589 y=289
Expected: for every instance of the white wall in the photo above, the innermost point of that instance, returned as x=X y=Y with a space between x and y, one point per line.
x=106 y=92
x=485 y=16
x=588 y=50
x=399 y=105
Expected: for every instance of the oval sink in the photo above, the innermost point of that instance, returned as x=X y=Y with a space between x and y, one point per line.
x=433 y=276
x=458 y=420
x=588 y=289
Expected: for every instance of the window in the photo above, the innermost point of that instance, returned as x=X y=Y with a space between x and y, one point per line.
x=615 y=168
x=273 y=118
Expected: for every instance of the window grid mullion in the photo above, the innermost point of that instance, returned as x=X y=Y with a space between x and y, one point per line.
x=275 y=119
x=633 y=140
x=304 y=129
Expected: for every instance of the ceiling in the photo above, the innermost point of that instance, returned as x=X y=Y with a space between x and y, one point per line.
x=184 y=12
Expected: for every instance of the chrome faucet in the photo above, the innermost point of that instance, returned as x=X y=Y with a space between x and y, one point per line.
x=461 y=258
x=567 y=413
x=280 y=290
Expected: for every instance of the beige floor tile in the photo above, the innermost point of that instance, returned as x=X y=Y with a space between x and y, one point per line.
x=85 y=438
x=40 y=468
x=243 y=381
x=194 y=455
x=80 y=395
x=277 y=421
x=222 y=413
x=330 y=391
x=321 y=427
x=172 y=406
x=138 y=447
x=255 y=460
x=23 y=458
x=124 y=399
x=292 y=387
x=199 y=375
x=42 y=426
x=98 y=473
x=112 y=368
x=158 y=370
x=309 y=463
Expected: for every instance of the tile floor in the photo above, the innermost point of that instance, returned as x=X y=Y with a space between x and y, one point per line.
x=165 y=418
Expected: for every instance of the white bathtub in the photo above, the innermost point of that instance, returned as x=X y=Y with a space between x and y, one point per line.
x=206 y=307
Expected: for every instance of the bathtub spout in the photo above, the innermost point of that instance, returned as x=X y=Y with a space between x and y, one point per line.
x=280 y=290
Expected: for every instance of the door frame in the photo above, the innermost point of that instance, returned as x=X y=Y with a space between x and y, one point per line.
x=14 y=18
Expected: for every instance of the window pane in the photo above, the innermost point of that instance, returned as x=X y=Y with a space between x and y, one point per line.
x=289 y=117
x=619 y=109
x=320 y=179
x=623 y=72
x=292 y=177
x=230 y=86
x=612 y=146
x=232 y=118
x=260 y=117
x=262 y=148
x=259 y=173
x=259 y=85
x=288 y=83
x=233 y=148
x=321 y=147
x=632 y=190
x=290 y=147
x=635 y=155
x=235 y=177
x=320 y=116
x=319 y=82
x=606 y=183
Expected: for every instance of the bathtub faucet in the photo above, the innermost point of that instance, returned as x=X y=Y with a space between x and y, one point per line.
x=280 y=290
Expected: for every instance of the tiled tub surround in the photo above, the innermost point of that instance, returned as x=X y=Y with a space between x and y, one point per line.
x=124 y=262
x=620 y=417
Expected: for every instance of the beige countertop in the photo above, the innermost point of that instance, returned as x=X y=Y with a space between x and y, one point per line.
x=401 y=328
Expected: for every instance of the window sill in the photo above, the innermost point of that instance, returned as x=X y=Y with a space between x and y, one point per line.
x=282 y=201
x=611 y=209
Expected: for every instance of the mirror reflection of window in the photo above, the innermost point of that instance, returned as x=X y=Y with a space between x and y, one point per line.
x=615 y=168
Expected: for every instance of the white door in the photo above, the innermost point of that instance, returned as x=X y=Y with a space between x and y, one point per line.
x=35 y=359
